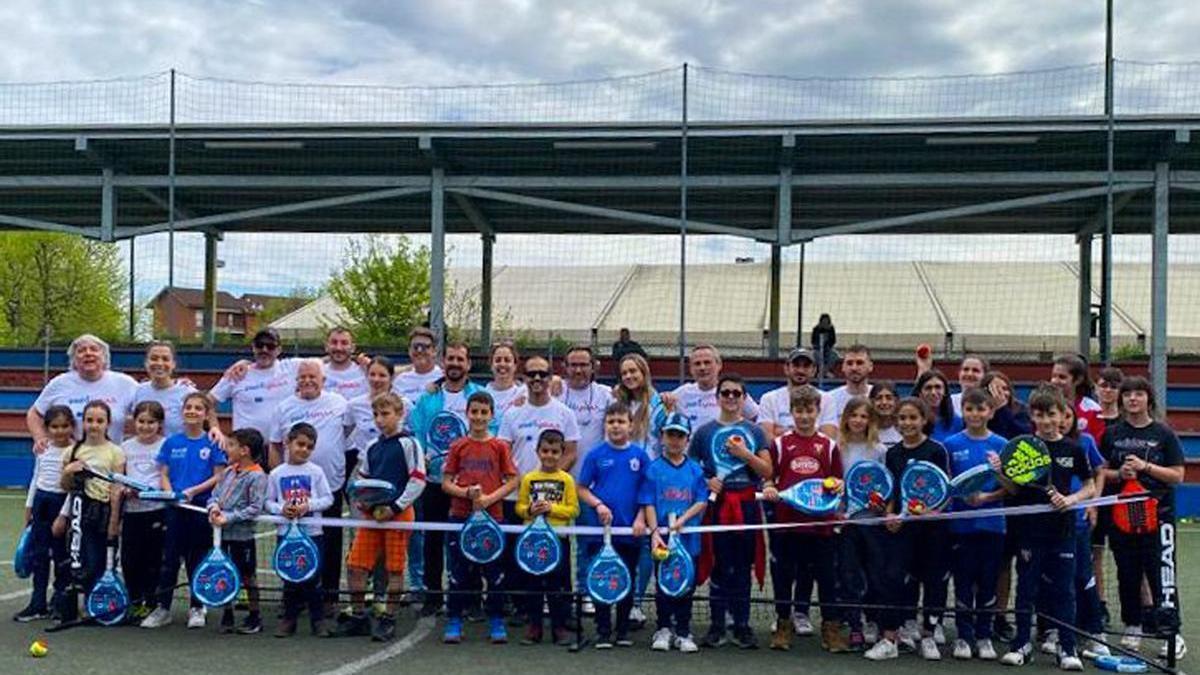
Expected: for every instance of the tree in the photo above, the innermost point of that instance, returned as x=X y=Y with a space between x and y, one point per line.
x=383 y=286
x=58 y=284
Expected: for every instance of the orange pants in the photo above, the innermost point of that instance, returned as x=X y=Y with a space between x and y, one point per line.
x=370 y=543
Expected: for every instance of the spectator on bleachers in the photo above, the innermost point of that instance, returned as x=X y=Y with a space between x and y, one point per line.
x=626 y=345
x=822 y=340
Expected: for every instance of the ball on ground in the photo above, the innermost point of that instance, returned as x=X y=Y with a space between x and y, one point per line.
x=38 y=649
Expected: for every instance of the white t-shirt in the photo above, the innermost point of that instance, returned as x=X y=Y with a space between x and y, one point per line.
x=889 y=436
x=700 y=405
x=361 y=416
x=853 y=453
x=776 y=407
x=522 y=426
x=588 y=405
x=141 y=465
x=350 y=382
x=47 y=472
x=327 y=413
x=834 y=404
x=170 y=398
x=299 y=482
x=256 y=395
x=504 y=397
x=410 y=384
x=69 y=389
x=956 y=401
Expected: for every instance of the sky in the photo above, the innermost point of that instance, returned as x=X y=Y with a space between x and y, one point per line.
x=459 y=42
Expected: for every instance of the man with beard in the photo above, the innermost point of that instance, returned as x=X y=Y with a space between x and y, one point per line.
x=698 y=400
x=438 y=419
x=257 y=387
x=326 y=412
x=856 y=368
x=588 y=400
x=774 y=409
x=342 y=373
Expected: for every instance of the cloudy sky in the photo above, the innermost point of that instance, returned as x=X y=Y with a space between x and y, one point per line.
x=455 y=42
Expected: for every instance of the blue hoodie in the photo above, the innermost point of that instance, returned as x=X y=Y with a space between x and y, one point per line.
x=436 y=428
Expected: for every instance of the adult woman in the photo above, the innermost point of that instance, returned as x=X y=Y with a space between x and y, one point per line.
x=635 y=388
x=1010 y=417
x=933 y=388
x=506 y=391
x=380 y=373
x=970 y=374
x=89 y=379
x=163 y=387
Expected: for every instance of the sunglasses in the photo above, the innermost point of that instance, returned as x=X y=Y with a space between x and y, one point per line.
x=265 y=346
x=732 y=393
x=537 y=374
x=421 y=346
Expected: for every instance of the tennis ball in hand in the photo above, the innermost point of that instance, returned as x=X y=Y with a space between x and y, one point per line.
x=832 y=484
x=38 y=649
x=382 y=512
x=924 y=350
x=659 y=553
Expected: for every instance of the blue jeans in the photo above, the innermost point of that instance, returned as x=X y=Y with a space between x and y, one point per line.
x=1087 y=594
x=975 y=558
x=733 y=565
x=46 y=547
x=1053 y=559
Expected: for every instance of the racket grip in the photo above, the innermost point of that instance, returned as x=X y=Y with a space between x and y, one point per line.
x=712 y=498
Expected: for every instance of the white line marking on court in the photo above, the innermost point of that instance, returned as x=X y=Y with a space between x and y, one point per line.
x=15 y=594
x=419 y=632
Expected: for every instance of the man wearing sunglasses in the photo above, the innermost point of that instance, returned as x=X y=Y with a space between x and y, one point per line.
x=257 y=387
x=698 y=400
x=522 y=425
x=422 y=352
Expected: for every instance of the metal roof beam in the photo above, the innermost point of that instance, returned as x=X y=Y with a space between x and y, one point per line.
x=868 y=226
x=474 y=214
x=48 y=226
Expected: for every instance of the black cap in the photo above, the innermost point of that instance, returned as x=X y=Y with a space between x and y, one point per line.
x=266 y=335
x=800 y=353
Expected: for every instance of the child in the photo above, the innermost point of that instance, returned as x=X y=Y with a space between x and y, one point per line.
x=189 y=463
x=42 y=505
x=478 y=474
x=674 y=486
x=916 y=553
x=977 y=544
x=98 y=505
x=549 y=491
x=1046 y=541
x=399 y=460
x=236 y=501
x=883 y=399
x=609 y=482
x=295 y=489
x=798 y=455
x=142 y=521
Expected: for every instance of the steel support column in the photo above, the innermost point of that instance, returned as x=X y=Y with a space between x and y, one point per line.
x=1084 y=346
x=485 y=293
x=210 y=290
x=1158 y=283
x=437 y=251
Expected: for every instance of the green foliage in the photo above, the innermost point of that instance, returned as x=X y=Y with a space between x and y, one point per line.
x=383 y=286
x=60 y=284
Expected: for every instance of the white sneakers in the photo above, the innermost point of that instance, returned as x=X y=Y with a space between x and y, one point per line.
x=195 y=617
x=962 y=650
x=661 y=642
x=686 y=644
x=870 y=632
x=1180 y=648
x=908 y=635
x=1018 y=657
x=1132 y=638
x=801 y=625
x=636 y=615
x=157 y=619
x=1096 y=649
x=1050 y=643
x=985 y=650
x=1069 y=662
x=939 y=634
x=929 y=650
x=883 y=650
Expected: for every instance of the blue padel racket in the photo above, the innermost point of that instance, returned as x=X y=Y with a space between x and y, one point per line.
x=677 y=572
x=1121 y=664
x=923 y=487
x=538 y=548
x=216 y=581
x=974 y=480
x=109 y=600
x=481 y=540
x=120 y=479
x=723 y=461
x=444 y=429
x=297 y=557
x=1025 y=460
x=23 y=555
x=608 y=580
x=369 y=494
x=160 y=496
x=813 y=497
x=868 y=485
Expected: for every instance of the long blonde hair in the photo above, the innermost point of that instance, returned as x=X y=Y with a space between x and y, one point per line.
x=640 y=400
x=852 y=406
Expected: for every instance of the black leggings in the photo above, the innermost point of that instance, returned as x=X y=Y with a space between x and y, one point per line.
x=1137 y=557
x=142 y=534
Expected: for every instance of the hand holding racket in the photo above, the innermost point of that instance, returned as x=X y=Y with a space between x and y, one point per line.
x=604 y=514
x=729 y=454
x=1025 y=462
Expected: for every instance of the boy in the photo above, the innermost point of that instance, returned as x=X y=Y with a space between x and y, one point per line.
x=609 y=483
x=798 y=455
x=674 y=486
x=735 y=554
x=235 y=502
x=977 y=544
x=549 y=491
x=1046 y=541
x=399 y=460
x=478 y=474
x=295 y=489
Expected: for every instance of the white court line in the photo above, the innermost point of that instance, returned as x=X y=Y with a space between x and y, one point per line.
x=419 y=632
x=15 y=594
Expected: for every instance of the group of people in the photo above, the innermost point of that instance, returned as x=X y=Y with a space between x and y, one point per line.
x=532 y=443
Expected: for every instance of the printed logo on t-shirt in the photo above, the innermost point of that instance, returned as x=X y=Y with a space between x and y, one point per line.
x=295 y=488
x=546 y=490
x=205 y=451
x=805 y=465
x=1067 y=462
x=634 y=464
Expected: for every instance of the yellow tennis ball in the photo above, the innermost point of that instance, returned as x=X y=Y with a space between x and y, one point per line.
x=38 y=649
x=660 y=553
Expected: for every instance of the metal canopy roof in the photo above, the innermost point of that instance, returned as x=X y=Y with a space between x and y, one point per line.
x=989 y=176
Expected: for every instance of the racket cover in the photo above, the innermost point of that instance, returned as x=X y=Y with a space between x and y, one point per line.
x=297 y=557
x=481 y=540
x=216 y=581
x=538 y=548
x=923 y=487
x=608 y=580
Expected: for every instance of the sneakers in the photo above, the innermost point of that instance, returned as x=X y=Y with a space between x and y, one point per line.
x=286 y=628
x=1131 y=639
x=227 y=621
x=637 y=617
x=871 y=632
x=802 y=626
x=781 y=638
x=908 y=635
x=251 y=625
x=1180 y=648
x=604 y=642
x=30 y=613
x=832 y=638
x=883 y=650
x=1019 y=656
x=563 y=637
x=196 y=617
x=454 y=632
x=962 y=650
x=1003 y=629
x=1096 y=649
x=1070 y=662
x=497 y=633
x=588 y=607
x=686 y=644
x=929 y=650
x=744 y=638
x=1050 y=643
x=939 y=634
x=157 y=619
x=352 y=625
x=533 y=635
x=385 y=628
x=715 y=638
x=985 y=650
x=623 y=640
x=661 y=642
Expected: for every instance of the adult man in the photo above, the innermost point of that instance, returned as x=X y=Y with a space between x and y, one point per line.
x=326 y=412
x=258 y=389
x=856 y=368
x=522 y=425
x=774 y=409
x=438 y=419
x=587 y=399
x=698 y=400
x=422 y=353
x=89 y=379
x=342 y=373
x=626 y=345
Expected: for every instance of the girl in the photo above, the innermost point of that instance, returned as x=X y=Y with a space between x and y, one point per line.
x=1108 y=387
x=933 y=388
x=97 y=503
x=858 y=433
x=380 y=374
x=142 y=525
x=1010 y=417
x=506 y=391
x=883 y=399
x=916 y=551
x=42 y=506
x=1070 y=375
x=189 y=463
x=636 y=390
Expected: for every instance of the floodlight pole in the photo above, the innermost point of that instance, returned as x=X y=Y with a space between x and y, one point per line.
x=1106 y=244
x=683 y=204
